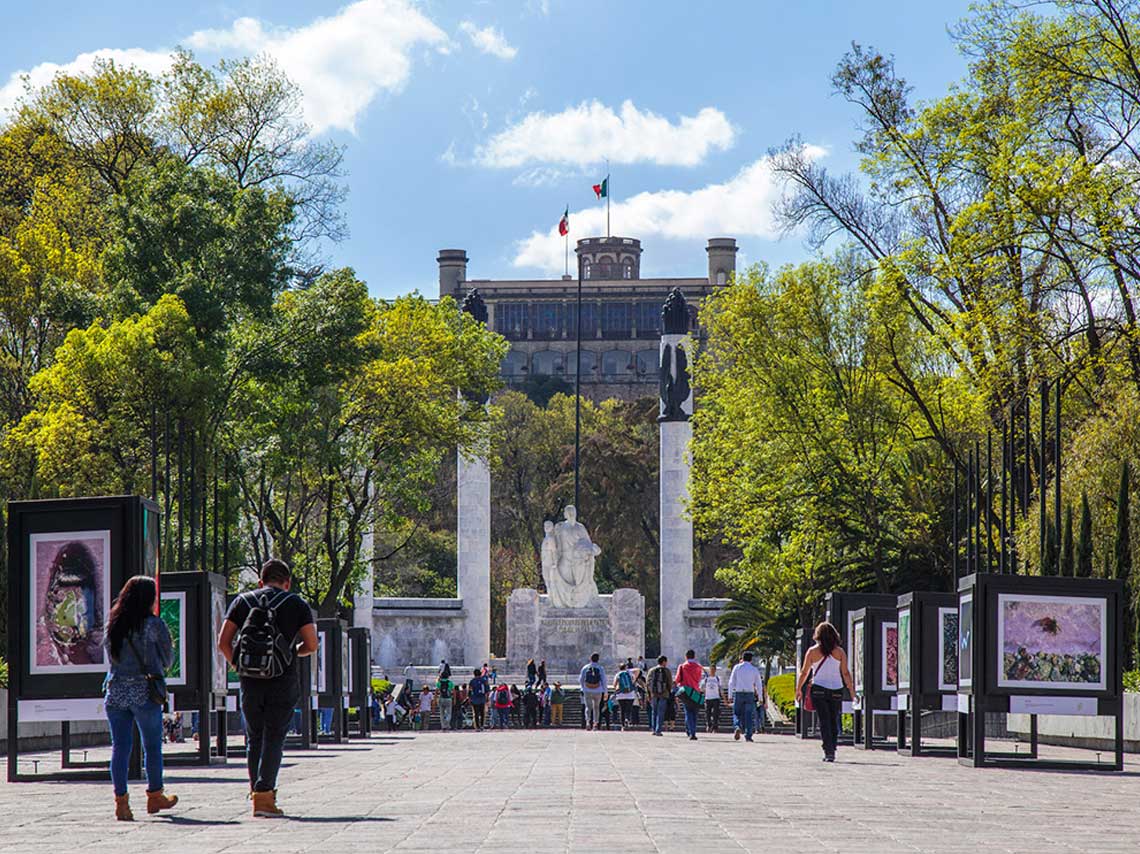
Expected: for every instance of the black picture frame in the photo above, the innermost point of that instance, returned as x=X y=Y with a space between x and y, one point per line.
x=873 y=696
x=129 y=526
x=992 y=690
x=924 y=690
x=360 y=672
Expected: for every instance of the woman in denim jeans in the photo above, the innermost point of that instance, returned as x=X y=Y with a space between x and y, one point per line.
x=139 y=644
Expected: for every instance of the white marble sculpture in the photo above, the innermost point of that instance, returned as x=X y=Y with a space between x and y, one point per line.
x=568 y=562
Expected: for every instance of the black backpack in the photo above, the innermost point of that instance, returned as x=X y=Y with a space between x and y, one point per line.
x=593 y=676
x=261 y=651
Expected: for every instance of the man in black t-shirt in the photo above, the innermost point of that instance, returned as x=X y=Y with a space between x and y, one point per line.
x=267 y=704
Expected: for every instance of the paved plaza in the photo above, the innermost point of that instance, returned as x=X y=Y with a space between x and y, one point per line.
x=568 y=791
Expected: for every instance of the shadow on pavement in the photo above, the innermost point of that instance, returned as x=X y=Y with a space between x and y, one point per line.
x=332 y=819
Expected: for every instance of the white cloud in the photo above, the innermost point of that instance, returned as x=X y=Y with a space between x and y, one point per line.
x=739 y=207
x=154 y=62
x=591 y=132
x=489 y=40
x=341 y=62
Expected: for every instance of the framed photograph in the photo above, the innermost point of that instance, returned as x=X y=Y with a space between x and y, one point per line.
x=322 y=663
x=857 y=655
x=69 y=601
x=904 y=650
x=219 y=682
x=889 y=654
x=948 y=649
x=314 y=668
x=172 y=610
x=966 y=640
x=345 y=662
x=151 y=538
x=1054 y=642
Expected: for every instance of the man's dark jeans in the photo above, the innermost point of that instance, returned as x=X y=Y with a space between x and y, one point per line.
x=267 y=705
x=712 y=714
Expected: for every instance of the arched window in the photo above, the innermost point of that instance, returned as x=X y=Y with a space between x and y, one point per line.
x=514 y=364
x=616 y=363
x=721 y=277
x=589 y=363
x=648 y=361
x=546 y=362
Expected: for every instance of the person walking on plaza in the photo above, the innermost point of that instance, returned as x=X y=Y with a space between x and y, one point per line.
x=626 y=693
x=423 y=712
x=688 y=681
x=273 y=628
x=140 y=650
x=659 y=687
x=711 y=686
x=592 y=682
x=542 y=672
x=503 y=707
x=531 y=673
x=516 y=705
x=745 y=686
x=557 y=698
x=390 y=712
x=445 y=693
x=530 y=708
x=826 y=665
x=477 y=693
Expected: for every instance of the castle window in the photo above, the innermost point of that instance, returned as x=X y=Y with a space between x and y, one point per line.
x=648 y=361
x=615 y=319
x=511 y=319
x=546 y=362
x=514 y=364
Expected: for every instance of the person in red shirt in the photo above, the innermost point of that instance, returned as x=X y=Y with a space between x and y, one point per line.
x=689 y=676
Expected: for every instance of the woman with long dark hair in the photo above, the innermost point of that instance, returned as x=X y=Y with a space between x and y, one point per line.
x=140 y=651
x=826 y=664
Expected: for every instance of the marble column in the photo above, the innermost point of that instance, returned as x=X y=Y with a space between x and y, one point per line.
x=363 y=600
x=676 y=406
x=473 y=539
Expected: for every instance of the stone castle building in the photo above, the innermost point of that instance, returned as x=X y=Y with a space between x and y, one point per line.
x=621 y=314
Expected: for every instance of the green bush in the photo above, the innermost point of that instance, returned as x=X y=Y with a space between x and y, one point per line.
x=380 y=687
x=782 y=690
x=3 y=673
x=1132 y=681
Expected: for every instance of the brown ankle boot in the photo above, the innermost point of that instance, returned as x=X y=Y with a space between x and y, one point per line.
x=123 y=808
x=265 y=805
x=159 y=800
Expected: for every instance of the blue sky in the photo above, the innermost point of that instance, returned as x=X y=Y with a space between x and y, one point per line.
x=473 y=125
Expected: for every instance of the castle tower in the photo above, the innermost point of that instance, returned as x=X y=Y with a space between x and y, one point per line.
x=452 y=272
x=722 y=259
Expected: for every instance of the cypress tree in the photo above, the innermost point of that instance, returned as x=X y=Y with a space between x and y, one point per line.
x=1049 y=559
x=1067 y=556
x=1084 y=541
x=1123 y=562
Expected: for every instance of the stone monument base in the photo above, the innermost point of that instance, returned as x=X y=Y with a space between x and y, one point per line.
x=565 y=637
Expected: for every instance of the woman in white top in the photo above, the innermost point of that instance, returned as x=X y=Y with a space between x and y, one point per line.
x=826 y=664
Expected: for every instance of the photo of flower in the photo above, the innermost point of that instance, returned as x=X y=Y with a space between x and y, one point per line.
x=1051 y=642
x=890 y=657
x=857 y=656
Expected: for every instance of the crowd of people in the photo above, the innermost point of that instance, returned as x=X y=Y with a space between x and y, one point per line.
x=658 y=693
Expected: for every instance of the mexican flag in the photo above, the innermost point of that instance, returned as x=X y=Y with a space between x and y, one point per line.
x=602 y=190
x=564 y=223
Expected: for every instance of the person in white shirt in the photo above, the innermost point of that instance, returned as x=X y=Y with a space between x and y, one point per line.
x=746 y=686
x=710 y=685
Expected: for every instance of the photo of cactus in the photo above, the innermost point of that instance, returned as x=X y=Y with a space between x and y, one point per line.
x=1055 y=642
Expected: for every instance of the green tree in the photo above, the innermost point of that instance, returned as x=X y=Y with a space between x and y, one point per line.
x=1122 y=562
x=1085 y=540
x=1068 y=557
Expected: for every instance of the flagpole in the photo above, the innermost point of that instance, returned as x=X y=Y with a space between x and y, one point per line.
x=578 y=386
x=609 y=192
x=566 y=243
